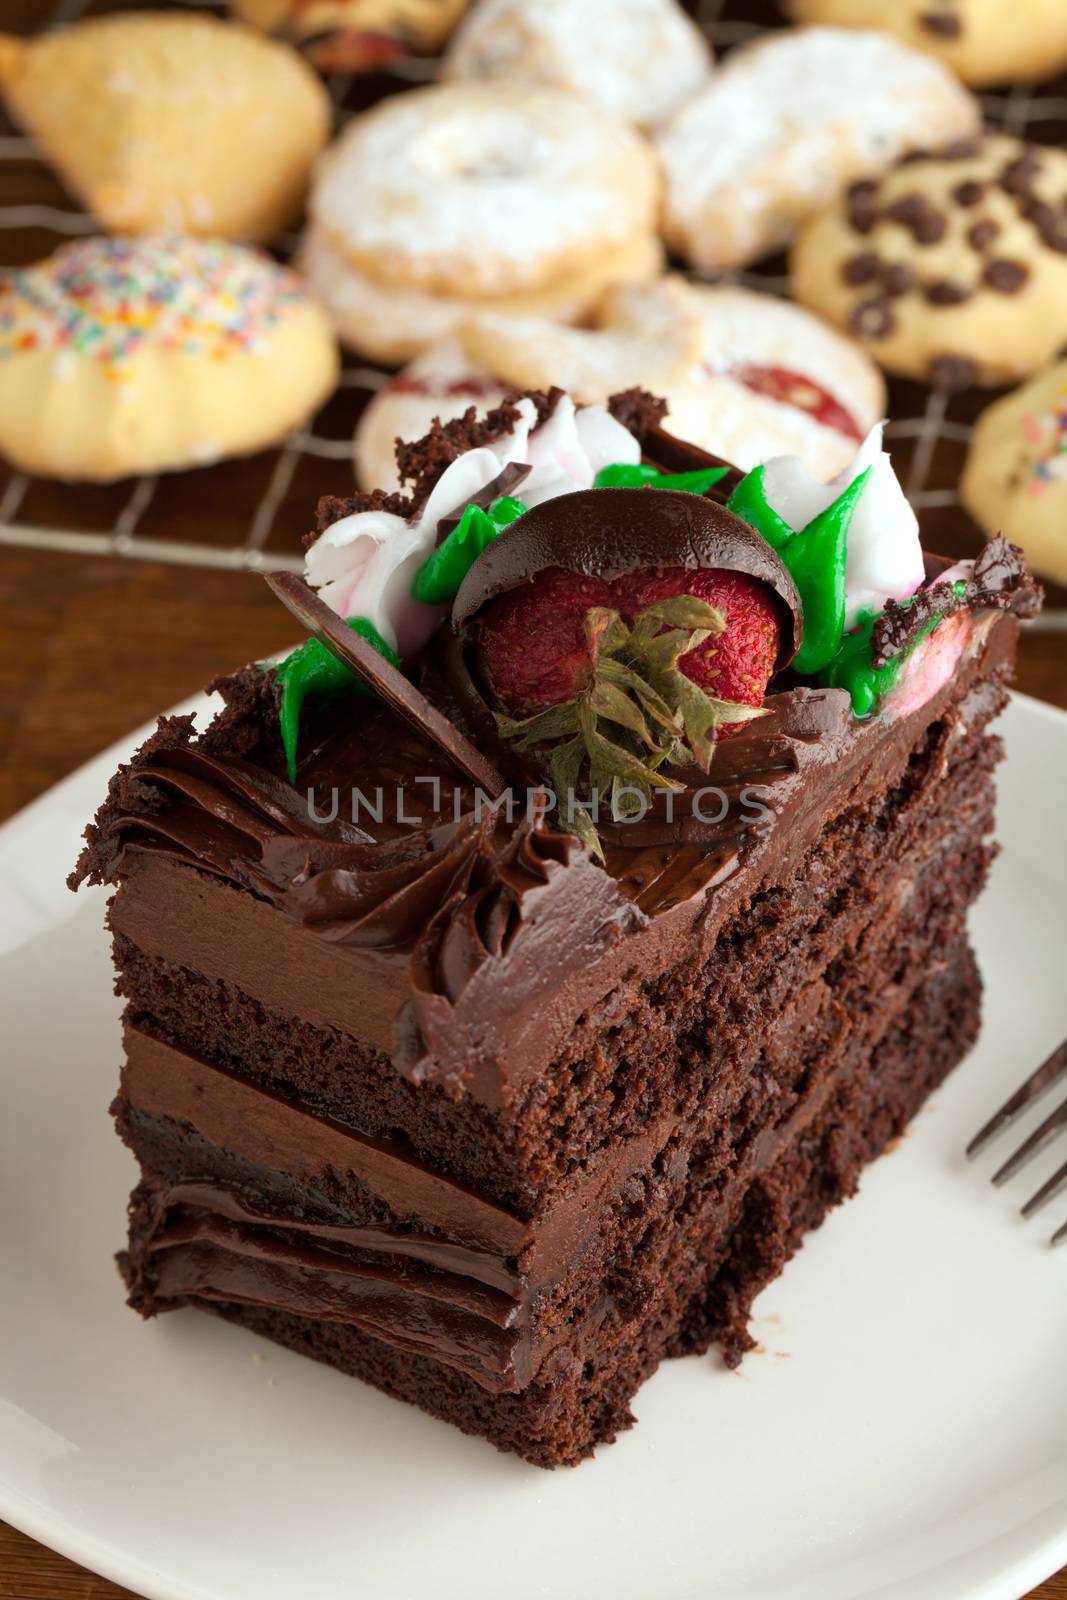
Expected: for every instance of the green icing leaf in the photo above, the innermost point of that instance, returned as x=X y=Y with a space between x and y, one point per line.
x=438 y=579
x=749 y=502
x=627 y=475
x=313 y=671
x=815 y=558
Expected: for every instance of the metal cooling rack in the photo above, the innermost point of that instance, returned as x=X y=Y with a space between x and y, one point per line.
x=249 y=515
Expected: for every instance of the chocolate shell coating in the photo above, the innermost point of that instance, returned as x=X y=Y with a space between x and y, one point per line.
x=605 y=533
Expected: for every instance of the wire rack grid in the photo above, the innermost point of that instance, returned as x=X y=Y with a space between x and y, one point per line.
x=249 y=515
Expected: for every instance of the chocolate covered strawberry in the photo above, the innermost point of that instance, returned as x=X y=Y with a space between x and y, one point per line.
x=618 y=633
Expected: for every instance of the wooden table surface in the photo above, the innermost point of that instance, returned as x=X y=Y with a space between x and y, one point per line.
x=90 y=648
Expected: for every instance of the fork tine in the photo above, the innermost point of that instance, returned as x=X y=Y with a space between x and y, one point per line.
x=1060 y=1236
x=1047 y=1191
x=1053 y=1124
x=1036 y=1084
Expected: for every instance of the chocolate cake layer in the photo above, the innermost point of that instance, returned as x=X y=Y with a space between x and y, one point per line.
x=184 y=1117
x=677 y=1279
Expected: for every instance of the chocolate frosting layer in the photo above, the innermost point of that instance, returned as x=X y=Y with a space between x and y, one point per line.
x=605 y=533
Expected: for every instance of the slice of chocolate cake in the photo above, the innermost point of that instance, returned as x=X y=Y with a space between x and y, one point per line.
x=496 y=1093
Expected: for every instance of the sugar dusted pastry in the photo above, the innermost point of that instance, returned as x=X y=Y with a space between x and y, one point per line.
x=984 y=41
x=481 y=189
x=744 y=375
x=951 y=267
x=786 y=124
x=122 y=356
x=160 y=121
x=657 y=333
x=1016 y=472
x=639 y=61
x=460 y=199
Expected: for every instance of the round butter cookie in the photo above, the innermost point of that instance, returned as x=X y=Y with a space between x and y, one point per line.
x=786 y=124
x=1015 y=480
x=164 y=122
x=122 y=356
x=771 y=380
x=394 y=324
x=355 y=35
x=638 y=61
x=952 y=267
x=482 y=189
x=983 y=41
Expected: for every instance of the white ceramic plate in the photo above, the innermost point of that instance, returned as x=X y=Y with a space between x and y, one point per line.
x=903 y=1433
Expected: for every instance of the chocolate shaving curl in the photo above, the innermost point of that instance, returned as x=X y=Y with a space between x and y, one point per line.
x=1001 y=581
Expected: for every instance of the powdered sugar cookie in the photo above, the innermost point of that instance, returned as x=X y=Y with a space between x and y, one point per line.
x=638 y=61
x=983 y=41
x=171 y=122
x=951 y=267
x=123 y=356
x=772 y=380
x=442 y=382
x=355 y=35
x=1015 y=479
x=786 y=124
x=391 y=324
x=482 y=189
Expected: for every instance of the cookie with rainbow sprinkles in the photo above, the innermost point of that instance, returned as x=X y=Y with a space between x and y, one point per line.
x=1016 y=472
x=121 y=356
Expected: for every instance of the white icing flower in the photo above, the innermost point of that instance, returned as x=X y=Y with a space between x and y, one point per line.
x=885 y=560
x=365 y=565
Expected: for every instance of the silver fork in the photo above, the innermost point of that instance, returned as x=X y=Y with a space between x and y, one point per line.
x=1037 y=1084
